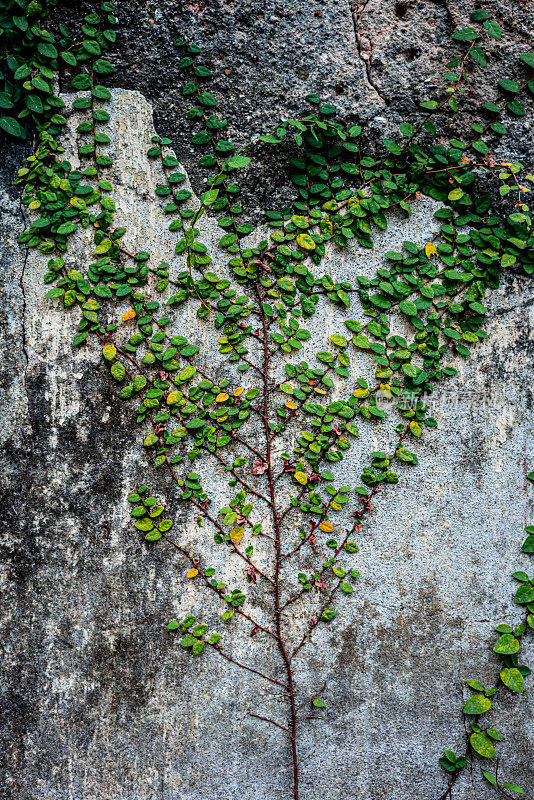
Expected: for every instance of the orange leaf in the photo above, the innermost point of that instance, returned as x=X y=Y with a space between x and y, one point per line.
x=236 y=534
x=128 y=315
x=192 y=573
x=430 y=248
x=326 y=526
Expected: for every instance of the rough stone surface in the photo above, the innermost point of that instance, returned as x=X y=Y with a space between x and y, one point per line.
x=99 y=701
x=375 y=60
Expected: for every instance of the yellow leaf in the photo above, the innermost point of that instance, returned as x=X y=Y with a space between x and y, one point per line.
x=221 y=397
x=326 y=526
x=128 y=315
x=236 y=534
x=416 y=429
x=173 y=398
x=335 y=505
x=361 y=393
x=430 y=248
x=103 y=247
x=34 y=204
x=109 y=351
x=239 y=391
x=456 y=194
x=305 y=241
x=301 y=478
x=291 y=405
x=192 y=573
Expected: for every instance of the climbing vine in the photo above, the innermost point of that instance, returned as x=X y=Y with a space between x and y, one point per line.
x=277 y=413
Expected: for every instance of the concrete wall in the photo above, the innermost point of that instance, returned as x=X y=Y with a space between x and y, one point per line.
x=99 y=700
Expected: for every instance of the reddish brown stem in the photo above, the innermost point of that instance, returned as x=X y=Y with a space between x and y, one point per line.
x=278 y=562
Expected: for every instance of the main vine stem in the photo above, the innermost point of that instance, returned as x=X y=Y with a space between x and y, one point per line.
x=278 y=554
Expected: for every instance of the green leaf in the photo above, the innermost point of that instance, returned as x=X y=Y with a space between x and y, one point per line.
x=506 y=644
x=54 y=293
x=474 y=684
x=338 y=340
x=477 y=704
x=103 y=67
x=482 y=744
x=513 y=787
x=525 y=594
x=6 y=100
x=490 y=777
x=92 y=47
x=512 y=678
x=410 y=370
x=509 y=86
x=12 y=127
x=80 y=338
x=407 y=129
x=465 y=35
x=528 y=59
x=493 y=28
x=69 y=58
x=392 y=146
x=318 y=703
x=479 y=15
x=118 y=371
x=237 y=162
x=478 y=55
x=34 y=103
x=517 y=108
x=407 y=307
x=208 y=198
x=144 y=524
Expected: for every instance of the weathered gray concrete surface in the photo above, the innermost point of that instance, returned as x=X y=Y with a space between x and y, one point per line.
x=99 y=701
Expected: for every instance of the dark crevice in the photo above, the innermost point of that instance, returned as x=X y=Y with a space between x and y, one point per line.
x=357 y=11
x=23 y=293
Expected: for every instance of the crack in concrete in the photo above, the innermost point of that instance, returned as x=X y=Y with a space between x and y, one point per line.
x=23 y=293
x=24 y=338
x=357 y=11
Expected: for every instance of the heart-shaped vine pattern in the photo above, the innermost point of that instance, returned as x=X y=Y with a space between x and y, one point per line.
x=421 y=312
